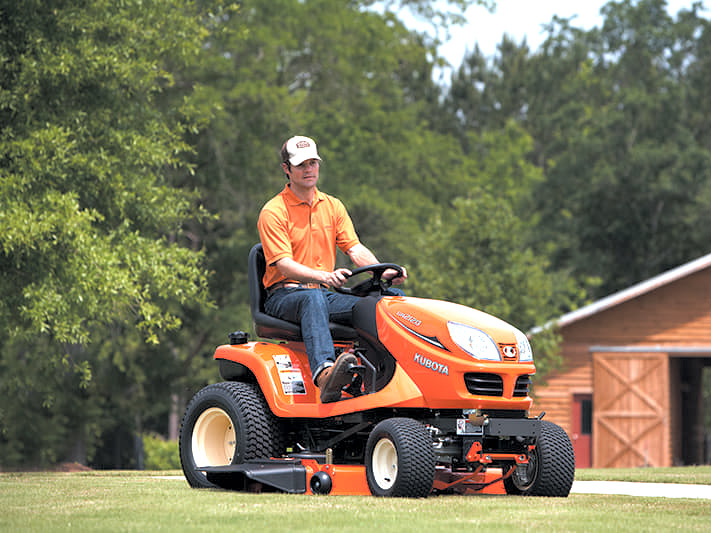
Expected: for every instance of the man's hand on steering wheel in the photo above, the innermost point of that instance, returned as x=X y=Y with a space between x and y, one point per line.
x=377 y=282
x=395 y=277
x=337 y=278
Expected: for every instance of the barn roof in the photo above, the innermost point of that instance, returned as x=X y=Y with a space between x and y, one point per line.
x=635 y=290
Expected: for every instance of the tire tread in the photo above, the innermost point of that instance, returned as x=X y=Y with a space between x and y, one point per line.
x=415 y=451
x=261 y=434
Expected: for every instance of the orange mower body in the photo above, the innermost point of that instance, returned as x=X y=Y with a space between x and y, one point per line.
x=439 y=403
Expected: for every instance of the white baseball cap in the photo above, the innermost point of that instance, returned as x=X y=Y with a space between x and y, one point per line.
x=300 y=149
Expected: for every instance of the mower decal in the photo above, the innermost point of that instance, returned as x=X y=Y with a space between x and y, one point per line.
x=409 y=318
x=467 y=427
x=432 y=340
x=292 y=380
x=431 y=365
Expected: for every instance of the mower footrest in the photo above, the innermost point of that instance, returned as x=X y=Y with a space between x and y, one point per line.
x=259 y=475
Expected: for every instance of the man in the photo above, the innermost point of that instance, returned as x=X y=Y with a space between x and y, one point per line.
x=300 y=229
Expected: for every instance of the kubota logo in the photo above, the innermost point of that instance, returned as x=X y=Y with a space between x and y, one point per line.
x=509 y=351
x=431 y=365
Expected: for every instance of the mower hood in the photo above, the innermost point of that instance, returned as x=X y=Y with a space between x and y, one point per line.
x=430 y=320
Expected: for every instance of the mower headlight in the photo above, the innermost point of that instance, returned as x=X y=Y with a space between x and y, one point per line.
x=474 y=341
x=525 y=353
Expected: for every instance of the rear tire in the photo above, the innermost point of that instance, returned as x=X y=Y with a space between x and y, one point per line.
x=226 y=423
x=551 y=467
x=400 y=459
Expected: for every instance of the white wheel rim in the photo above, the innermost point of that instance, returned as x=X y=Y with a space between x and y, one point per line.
x=214 y=438
x=385 y=463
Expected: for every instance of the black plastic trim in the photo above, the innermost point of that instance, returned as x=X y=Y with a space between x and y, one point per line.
x=277 y=474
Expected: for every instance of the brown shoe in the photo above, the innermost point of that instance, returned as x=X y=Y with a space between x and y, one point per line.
x=322 y=378
x=337 y=379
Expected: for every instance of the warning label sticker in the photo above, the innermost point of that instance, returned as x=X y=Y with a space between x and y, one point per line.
x=292 y=380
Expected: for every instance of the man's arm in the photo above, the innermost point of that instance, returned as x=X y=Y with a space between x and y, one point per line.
x=361 y=256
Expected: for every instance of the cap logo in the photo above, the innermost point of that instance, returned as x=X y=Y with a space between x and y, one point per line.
x=303 y=144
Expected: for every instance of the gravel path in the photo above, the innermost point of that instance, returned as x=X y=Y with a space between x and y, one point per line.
x=629 y=488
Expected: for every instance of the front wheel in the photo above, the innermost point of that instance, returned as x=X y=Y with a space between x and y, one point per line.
x=400 y=459
x=225 y=423
x=551 y=466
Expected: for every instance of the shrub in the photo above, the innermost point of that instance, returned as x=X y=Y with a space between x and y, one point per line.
x=160 y=454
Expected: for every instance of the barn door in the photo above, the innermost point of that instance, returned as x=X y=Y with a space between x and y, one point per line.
x=631 y=398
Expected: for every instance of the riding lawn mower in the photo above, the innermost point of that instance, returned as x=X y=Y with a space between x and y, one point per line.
x=438 y=404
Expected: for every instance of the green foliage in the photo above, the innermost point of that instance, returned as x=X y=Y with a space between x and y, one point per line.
x=90 y=227
x=476 y=251
x=126 y=123
x=475 y=255
x=160 y=454
x=615 y=113
x=85 y=212
x=43 y=407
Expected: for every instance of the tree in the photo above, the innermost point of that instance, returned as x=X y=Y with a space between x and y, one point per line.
x=90 y=228
x=615 y=114
x=153 y=131
x=486 y=93
x=477 y=250
x=628 y=166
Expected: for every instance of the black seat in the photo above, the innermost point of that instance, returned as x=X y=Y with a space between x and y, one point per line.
x=267 y=326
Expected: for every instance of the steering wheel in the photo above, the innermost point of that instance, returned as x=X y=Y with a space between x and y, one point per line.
x=375 y=284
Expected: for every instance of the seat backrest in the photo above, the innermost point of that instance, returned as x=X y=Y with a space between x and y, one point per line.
x=265 y=325
x=270 y=327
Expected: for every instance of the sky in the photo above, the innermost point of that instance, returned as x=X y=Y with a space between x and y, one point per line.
x=524 y=18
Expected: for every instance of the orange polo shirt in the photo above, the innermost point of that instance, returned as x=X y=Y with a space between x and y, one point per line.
x=308 y=234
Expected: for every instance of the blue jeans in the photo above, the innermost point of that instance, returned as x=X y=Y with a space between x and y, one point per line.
x=313 y=309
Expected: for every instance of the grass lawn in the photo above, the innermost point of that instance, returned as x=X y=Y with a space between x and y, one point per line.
x=147 y=501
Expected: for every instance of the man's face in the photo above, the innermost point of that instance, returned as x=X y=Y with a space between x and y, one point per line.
x=304 y=175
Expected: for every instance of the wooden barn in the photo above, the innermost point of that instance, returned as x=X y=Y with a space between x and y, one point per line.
x=630 y=392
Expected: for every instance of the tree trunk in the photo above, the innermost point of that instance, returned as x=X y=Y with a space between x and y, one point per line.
x=174 y=416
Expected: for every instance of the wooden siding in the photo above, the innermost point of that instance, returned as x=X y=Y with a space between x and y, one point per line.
x=556 y=396
x=678 y=314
